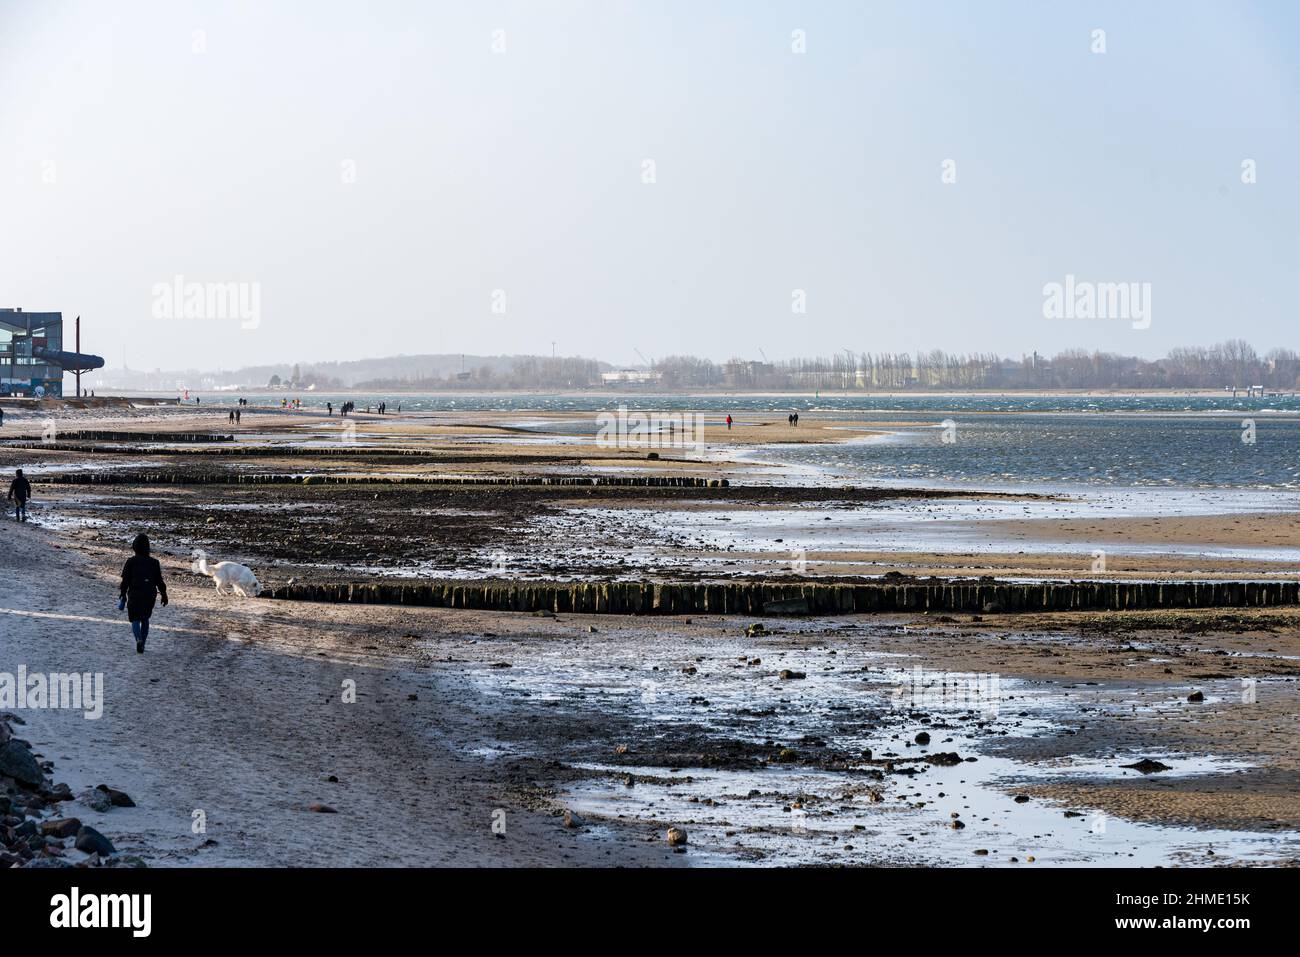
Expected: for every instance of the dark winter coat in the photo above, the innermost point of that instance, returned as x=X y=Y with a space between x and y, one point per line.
x=141 y=581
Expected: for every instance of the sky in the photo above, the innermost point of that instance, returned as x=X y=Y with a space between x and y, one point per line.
x=619 y=179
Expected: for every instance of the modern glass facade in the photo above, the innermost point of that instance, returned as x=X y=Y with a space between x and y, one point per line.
x=24 y=338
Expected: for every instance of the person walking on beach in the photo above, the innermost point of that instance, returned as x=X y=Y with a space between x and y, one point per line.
x=232 y=416
x=20 y=490
x=728 y=421
x=329 y=409
x=237 y=416
x=142 y=581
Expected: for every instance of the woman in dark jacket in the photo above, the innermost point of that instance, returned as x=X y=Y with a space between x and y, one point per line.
x=141 y=578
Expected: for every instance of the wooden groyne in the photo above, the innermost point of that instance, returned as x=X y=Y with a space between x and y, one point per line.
x=752 y=598
x=92 y=435
x=257 y=450
x=236 y=478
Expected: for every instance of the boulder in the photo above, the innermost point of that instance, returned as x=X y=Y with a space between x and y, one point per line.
x=61 y=827
x=1147 y=766
x=115 y=797
x=92 y=842
x=17 y=762
x=95 y=799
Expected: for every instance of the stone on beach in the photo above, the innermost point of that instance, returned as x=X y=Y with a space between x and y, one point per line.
x=95 y=799
x=92 y=842
x=1147 y=766
x=17 y=761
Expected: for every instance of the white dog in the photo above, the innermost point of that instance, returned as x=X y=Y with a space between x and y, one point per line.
x=231 y=577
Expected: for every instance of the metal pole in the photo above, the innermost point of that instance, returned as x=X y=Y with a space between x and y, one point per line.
x=78 y=373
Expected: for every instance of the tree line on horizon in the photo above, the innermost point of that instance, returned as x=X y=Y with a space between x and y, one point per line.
x=1233 y=363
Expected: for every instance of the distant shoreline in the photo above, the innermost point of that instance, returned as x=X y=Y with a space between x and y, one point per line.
x=691 y=393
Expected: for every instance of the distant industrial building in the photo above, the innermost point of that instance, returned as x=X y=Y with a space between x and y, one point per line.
x=631 y=377
x=32 y=360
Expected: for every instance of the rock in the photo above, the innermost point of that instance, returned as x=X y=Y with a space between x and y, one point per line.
x=1022 y=798
x=992 y=607
x=115 y=797
x=982 y=851
x=944 y=759
x=621 y=749
x=95 y=799
x=92 y=842
x=676 y=835
x=1196 y=696
x=755 y=630
x=788 y=675
x=572 y=820
x=17 y=762
x=922 y=738
x=1147 y=766
x=5 y=733
x=321 y=809
x=60 y=792
x=61 y=827
x=956 y=824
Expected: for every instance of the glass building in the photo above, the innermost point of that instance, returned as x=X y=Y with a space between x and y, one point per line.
x=28 y=340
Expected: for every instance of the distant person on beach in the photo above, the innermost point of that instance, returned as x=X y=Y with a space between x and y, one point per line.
x=2 y=416
x=728 y=421
x=232 y=416
x=237 y=417
x=142 y=581
x=20 y=490
x=329 y=408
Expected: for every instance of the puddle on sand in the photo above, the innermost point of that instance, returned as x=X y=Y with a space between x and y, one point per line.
x=851 y=700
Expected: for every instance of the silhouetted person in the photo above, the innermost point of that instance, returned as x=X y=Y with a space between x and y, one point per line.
x=141 y=581
x=20 y=490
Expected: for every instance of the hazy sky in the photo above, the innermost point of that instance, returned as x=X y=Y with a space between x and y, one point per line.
x=378 y=169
